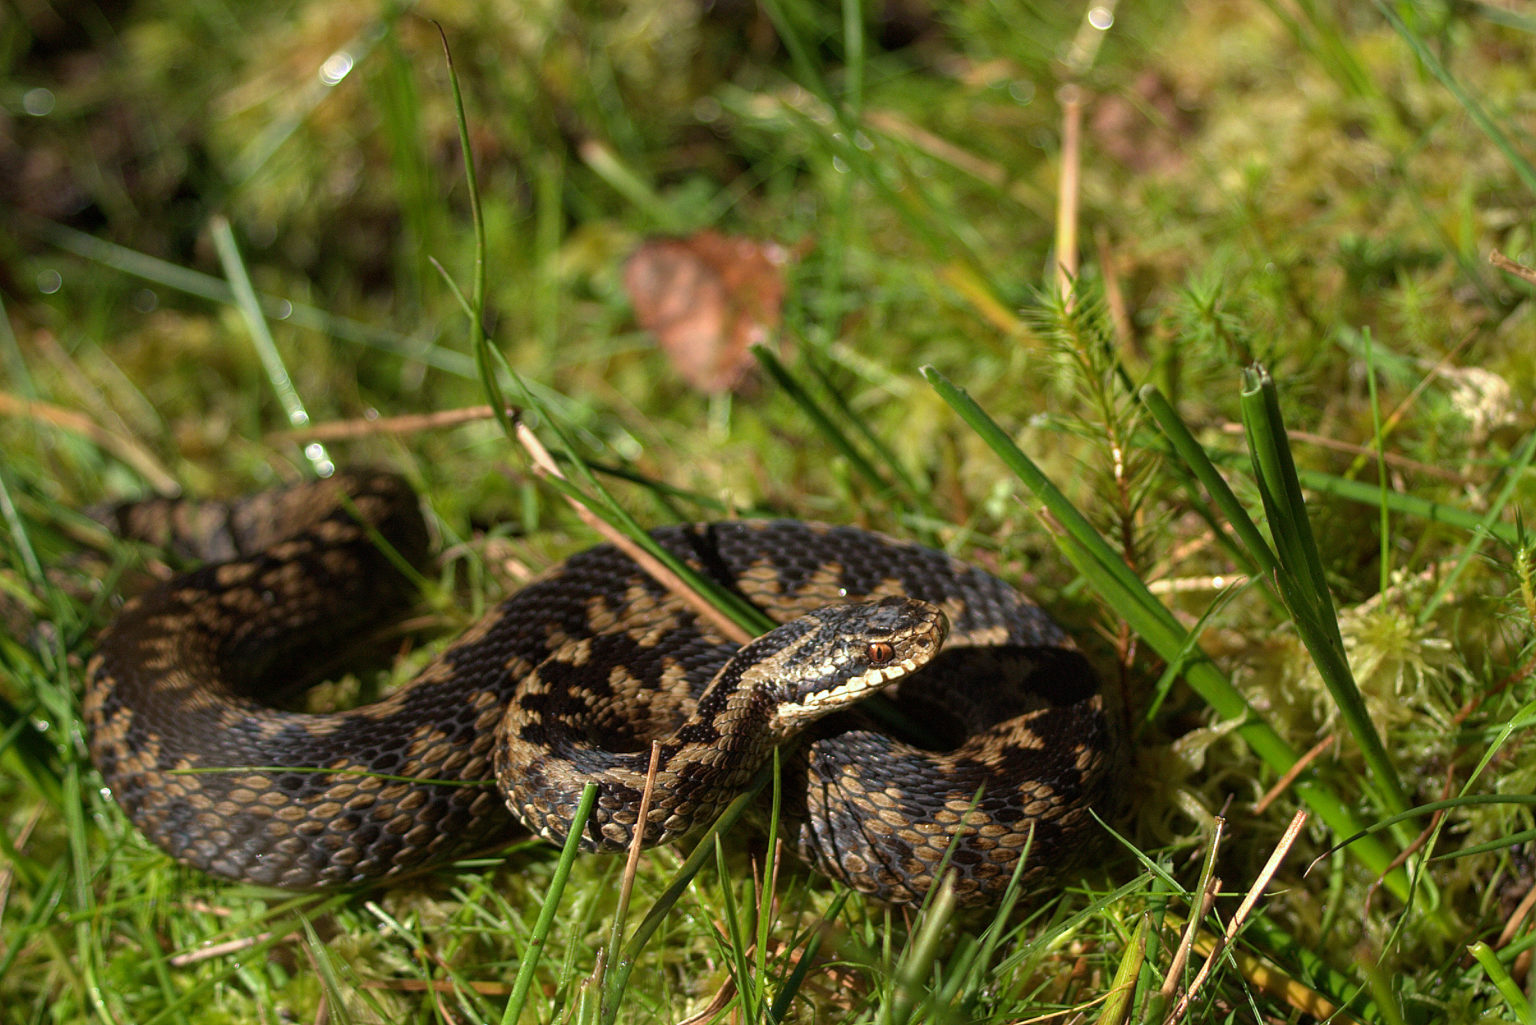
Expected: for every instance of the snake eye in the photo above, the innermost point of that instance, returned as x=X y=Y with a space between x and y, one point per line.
x=880 y=652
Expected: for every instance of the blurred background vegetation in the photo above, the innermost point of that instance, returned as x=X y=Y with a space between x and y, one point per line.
x=1317 y=186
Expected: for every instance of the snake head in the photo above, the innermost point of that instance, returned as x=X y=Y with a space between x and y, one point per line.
x=832 y=657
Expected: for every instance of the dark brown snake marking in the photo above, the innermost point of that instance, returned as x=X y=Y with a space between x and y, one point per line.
x=592 y=653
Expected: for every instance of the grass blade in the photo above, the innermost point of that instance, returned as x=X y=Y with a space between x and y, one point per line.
x=546 y=919
x=1118 y=1005
x=488 y=360
x=1129 y=597
x=797 y=975
x=1251 y=543
x=823 y=423
x=1421 y=508
x=1475 y=111
x=702 y=853
x=917 y=961
x=1519 y=1006
x=1284 y=507
x=479 y=344
x=1301 y=577
x=261 y=338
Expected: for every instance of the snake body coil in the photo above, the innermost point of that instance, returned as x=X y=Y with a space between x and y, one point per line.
x=578 y=673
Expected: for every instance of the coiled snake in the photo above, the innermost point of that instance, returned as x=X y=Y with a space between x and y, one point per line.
x=572 y=677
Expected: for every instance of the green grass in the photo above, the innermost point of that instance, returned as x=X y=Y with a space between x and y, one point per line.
x=1256 y=562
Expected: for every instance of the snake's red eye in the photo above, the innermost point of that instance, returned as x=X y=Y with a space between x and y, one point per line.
x=880 y=652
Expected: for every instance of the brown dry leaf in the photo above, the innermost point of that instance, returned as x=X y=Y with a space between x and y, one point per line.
x=1147 y=128
x=708 y=299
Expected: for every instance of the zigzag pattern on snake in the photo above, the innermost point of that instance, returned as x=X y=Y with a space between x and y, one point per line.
x=178 y=703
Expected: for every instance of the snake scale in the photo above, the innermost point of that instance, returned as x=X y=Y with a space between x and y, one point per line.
x=575 y=675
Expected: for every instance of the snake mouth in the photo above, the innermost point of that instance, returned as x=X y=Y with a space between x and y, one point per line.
x=845 y=653
x=844 y=694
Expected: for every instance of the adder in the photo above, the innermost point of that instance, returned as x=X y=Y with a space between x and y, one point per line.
x=571 y=679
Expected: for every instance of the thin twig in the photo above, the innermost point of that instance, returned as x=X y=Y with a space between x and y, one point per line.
x=1519 y=915
x=446 y=986
x=214 y=950
x=637 y=842
x=8 y=874
x=1519 y=270
x=1425 y=835
x=1284 y=782
x=411 y=423
x=1397 y=462
x=627 y=880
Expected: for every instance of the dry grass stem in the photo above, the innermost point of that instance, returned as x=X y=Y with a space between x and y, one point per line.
x=1516 y=918
x=1519 y=270
x=7 y=874
x=410 y=423
x=636 y=842
x=1190 y=935
x=1244 y=909
x=1425 y=834
x=323 y=1005
x=1397 y=462
x=545 y=463
x=1189 y=585
x=1071 y=96
x=485 y=989
x=1284 y=782
x=214 y=950
x=120 y=445
x=1192 y=927
x=940 y=148
x=717 y=1003
x=1114 y=292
